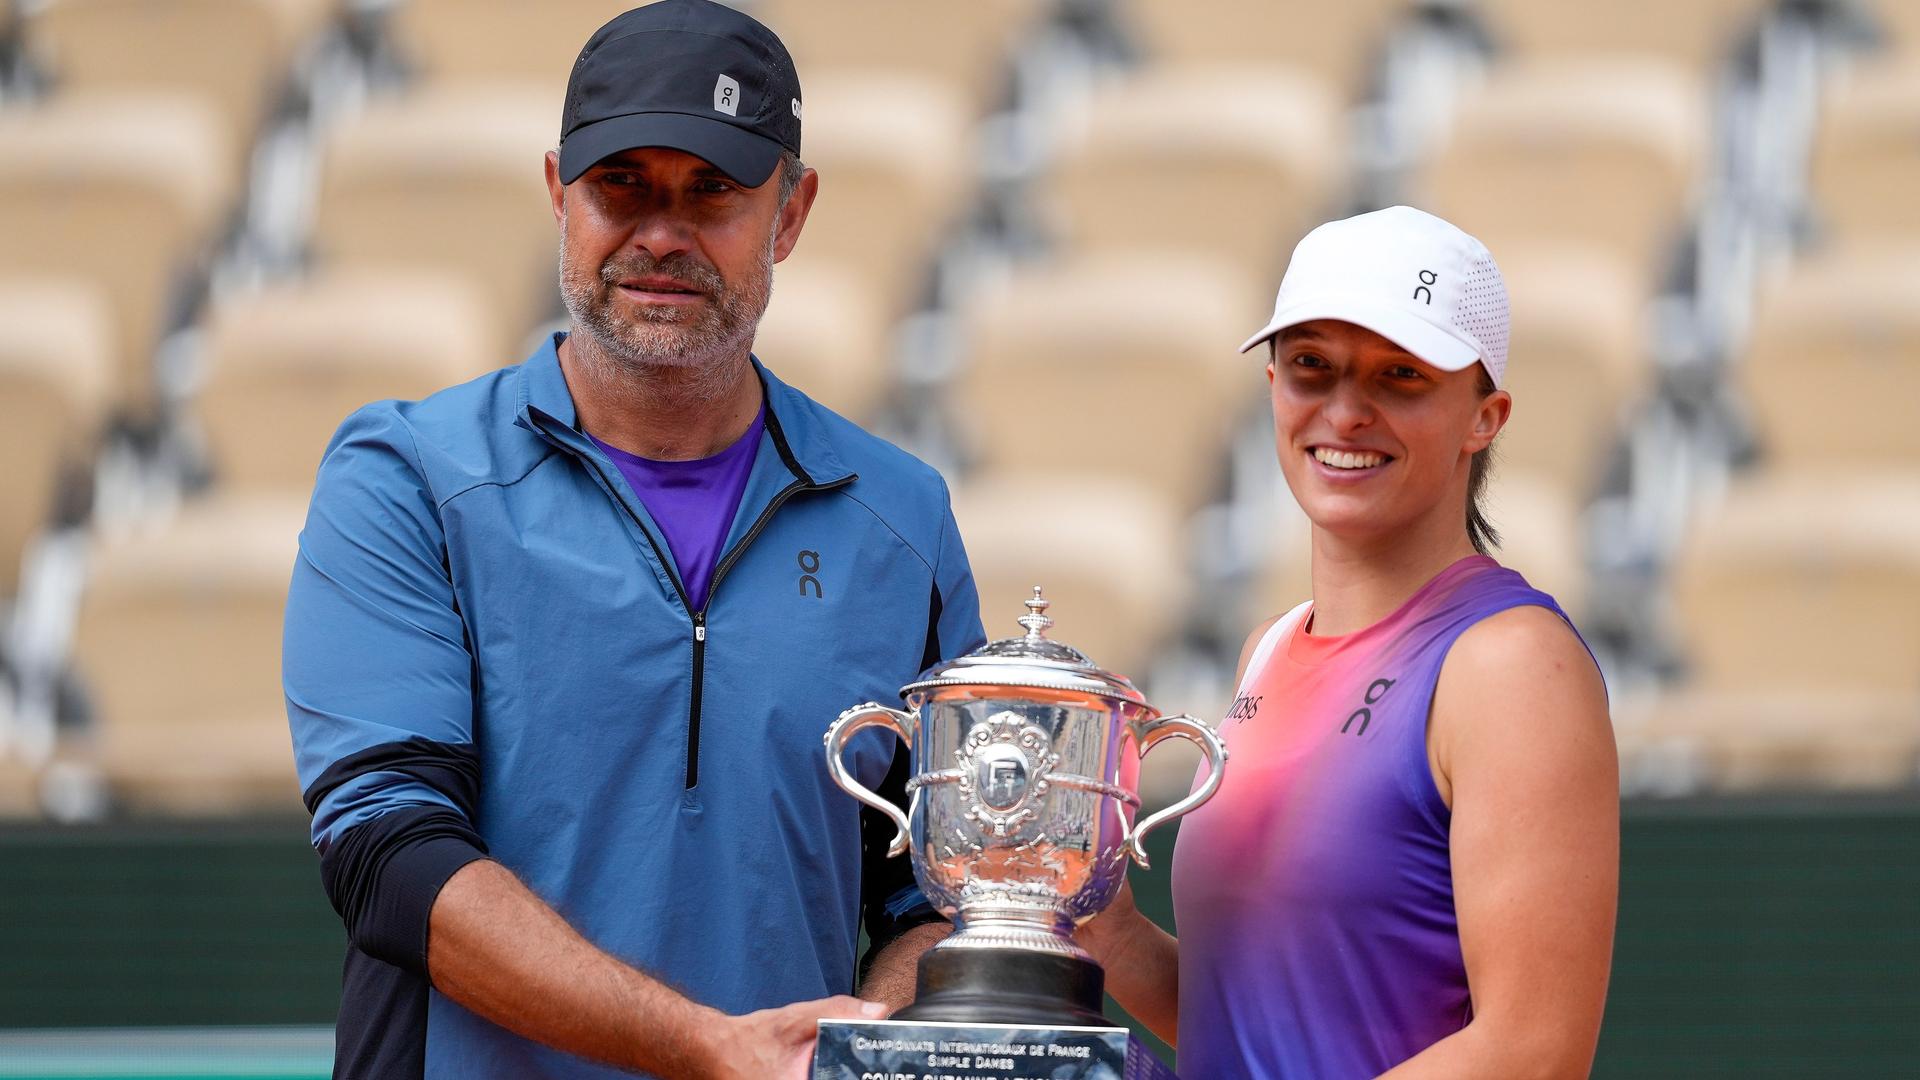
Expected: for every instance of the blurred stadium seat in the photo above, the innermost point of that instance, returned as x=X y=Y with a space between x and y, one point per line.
x=287 y=364
x=179 y=641
x=485 y=41
x=824 y=334
x=1696 y=33
x=448 y=181
x=891 y=150
x=1106 y=552
x=1538 y=520
x=1832 y=739
x=1833 y=367
x=56 y=344
x=1901 y=21
x=1119 y=366
x=232 y=55
x=963 y=47
x=1576 y=358
x=1337 y=42
x=1807 y=581
x=122 y=193
x=1866 y=157
x=1227 y=163
x=1599 y=154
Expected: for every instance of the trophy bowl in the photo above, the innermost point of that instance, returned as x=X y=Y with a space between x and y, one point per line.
x=1021 y=817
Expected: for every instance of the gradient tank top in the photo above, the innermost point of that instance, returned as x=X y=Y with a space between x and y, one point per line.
x=1313 y=894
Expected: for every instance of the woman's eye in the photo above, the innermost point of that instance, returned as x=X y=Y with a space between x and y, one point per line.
x=1402 y=371
x=1309 y=360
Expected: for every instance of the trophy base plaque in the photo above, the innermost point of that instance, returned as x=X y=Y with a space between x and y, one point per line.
x=991 y=1014
x=926 y=1050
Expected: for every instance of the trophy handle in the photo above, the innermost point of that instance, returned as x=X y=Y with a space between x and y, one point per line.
x=850 y=723
x=1153 y=734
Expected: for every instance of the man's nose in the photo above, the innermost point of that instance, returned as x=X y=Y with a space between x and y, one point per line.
x=662 y=229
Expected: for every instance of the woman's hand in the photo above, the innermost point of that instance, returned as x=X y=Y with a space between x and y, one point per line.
x=1142 y=963
x=1104 y=934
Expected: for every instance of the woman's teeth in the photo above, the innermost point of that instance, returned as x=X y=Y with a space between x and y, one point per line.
x=1348 y=459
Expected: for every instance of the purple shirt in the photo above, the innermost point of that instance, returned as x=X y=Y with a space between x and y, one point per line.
x=1314 y=893
x=693 y=502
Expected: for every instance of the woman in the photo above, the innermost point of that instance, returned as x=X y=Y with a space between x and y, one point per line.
x=1411 y=867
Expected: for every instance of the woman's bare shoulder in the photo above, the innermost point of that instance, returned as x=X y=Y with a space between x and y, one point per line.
x=1518 y=691
x=1522 y=666
x=1521 y=643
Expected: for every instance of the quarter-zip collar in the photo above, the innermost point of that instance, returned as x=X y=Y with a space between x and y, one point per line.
x=794 y=437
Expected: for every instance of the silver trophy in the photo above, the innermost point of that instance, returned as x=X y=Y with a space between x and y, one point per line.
x=1021 y=818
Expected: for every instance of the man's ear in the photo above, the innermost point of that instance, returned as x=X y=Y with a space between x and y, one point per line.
x=1488 y=420
x=793 y=216
x=556 y=191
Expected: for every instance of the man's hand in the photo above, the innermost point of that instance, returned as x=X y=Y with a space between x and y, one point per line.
x=777 y=1044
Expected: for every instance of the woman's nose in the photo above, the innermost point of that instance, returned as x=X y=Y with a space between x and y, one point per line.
x=1348 y=406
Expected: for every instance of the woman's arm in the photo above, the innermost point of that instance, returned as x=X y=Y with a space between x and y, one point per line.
x=1522 y=750
x=1142 y=961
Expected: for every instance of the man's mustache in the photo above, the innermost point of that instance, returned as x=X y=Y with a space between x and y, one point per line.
x=692 y=273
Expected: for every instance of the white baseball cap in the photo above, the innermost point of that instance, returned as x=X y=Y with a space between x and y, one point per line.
x=1410 y=277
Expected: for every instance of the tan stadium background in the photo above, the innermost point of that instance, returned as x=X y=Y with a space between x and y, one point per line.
x=1044 y=227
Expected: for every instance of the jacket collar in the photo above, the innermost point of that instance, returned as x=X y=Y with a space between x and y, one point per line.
x=794 y=425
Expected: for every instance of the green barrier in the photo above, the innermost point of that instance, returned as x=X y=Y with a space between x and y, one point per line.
x=156 y=925
x=1757 y=938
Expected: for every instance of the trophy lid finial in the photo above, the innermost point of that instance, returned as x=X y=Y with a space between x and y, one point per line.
x=1032 y=660
x=1035 y=620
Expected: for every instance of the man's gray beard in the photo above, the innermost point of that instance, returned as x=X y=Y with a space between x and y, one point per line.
x=705 y=346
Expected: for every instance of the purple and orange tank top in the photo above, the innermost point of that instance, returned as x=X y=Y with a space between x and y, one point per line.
x=1314 y=893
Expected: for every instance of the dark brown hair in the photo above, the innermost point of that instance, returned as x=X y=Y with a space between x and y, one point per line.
x=1480 y=530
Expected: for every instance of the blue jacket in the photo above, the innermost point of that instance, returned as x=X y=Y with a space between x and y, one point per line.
x=488 y=652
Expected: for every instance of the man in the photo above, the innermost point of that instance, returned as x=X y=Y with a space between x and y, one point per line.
x=562 y=642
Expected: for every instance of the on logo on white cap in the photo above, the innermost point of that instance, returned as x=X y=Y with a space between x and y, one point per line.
x=726 y=95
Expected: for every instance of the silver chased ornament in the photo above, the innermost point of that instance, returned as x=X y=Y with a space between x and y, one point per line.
x=1003 y=767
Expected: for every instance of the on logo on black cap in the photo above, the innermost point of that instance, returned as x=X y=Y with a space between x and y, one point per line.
x=726 y=95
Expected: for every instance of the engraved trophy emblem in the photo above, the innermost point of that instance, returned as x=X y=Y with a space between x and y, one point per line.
x=1003 y=763
x=1020 y=822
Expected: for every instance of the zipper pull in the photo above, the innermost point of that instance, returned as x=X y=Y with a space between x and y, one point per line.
x=700 y=628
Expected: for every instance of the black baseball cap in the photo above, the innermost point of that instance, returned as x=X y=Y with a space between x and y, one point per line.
x=689 y=75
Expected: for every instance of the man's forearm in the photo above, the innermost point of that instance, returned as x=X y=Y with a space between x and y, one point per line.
x=891 y=979
x=497 y=949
